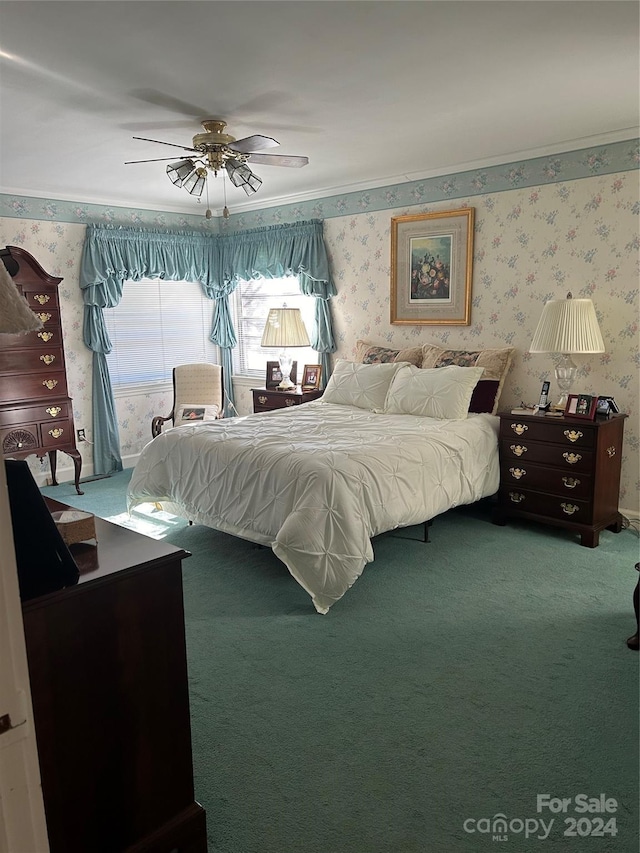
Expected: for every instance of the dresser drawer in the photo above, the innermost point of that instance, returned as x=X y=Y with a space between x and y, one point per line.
x=49 y=335
x=57 y=434
x=41 y=385
x=19 y=439
x=575 y=435
x=525 y=451
x=39 y=297
x=557 y=481
x=29 y=360
x=57 y=410
x=551 y=506
x=43 y=339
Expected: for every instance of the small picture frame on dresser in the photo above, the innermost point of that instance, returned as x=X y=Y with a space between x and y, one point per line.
x=581 y=406
x=311 y=377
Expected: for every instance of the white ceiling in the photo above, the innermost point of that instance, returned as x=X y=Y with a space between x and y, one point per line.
x=374 y=93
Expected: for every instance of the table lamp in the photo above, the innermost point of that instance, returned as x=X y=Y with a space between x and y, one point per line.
x=284 y=329
x=567 y=326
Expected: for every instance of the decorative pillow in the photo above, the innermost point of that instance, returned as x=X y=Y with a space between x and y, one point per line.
x=442 y=393
x=485 y=396
x=367 y=353
x=189 y=413
x=496 y=364
x=361 y=385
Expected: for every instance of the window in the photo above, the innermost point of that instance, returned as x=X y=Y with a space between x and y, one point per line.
x=251 y=303
x=156 y=325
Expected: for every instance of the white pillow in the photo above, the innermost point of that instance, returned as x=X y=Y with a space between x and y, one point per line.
x=361 y=385
x=192 y=413
x=442 y=392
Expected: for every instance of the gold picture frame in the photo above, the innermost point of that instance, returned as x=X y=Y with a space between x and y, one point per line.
x=311 y=376
x=431 y=268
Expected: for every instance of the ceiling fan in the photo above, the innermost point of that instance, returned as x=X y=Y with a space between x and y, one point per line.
x=215 y=151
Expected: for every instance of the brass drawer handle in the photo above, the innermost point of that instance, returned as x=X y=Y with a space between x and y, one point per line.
x=41 y=298
x=519 y=429
x=262 y=400
x=289 y=402
x=569 y=509
x=572 y=458
x=54 y=411
x=516 y=497
x=573 y=434
x=50 y=383
x=517 y=473
x=571 y=482
x=44 y=316
x=56 y=433
x=48 y=359
x=611 y=451
x=518 y=449
x=45 y=336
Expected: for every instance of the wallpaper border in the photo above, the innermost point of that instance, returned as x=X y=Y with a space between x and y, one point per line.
x=572 y=165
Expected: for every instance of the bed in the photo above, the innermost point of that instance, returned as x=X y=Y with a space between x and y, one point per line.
x=317 y=482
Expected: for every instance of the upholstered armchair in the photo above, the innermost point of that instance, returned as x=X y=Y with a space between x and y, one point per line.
x=198 y=394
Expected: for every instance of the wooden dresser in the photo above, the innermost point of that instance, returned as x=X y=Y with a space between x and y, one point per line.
x=561 y=471
x=108 y=672
x=36 y=415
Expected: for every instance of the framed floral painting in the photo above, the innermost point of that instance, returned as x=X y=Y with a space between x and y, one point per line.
x=431 y=268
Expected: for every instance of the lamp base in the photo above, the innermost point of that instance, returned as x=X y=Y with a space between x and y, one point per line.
x=286 y=363
x=566 y=372
x=285 y=385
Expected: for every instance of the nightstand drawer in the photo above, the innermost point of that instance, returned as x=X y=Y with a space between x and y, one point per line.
x=268 y=399
x=557 y=481
x=550 y=506
x=525 y=451
x=574 y=434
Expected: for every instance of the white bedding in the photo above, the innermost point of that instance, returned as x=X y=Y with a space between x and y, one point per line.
x=316 y=482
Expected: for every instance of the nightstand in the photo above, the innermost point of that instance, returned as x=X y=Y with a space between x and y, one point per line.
x=267 y=399
x=561 y=471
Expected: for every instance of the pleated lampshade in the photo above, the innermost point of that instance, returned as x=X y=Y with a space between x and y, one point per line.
x=568 y=326
x=285 y=328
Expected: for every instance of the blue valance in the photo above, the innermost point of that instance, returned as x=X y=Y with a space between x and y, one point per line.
x=112 y=255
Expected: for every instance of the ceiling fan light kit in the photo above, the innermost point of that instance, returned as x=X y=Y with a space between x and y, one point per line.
x=217 y=151
x=180 y=171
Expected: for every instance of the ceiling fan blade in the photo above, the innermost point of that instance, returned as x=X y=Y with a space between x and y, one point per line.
x=160 y=142
x=279 y=160
x=138 y=126
x=252 y=143
x=155 y=160
x=159 y=99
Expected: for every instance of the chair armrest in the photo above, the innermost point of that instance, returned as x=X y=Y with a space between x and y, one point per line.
x=156 y=425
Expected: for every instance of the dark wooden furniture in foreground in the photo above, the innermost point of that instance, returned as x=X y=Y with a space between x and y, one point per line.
x=561 y=471
x=108 y=673
x=36 y=415
x=267 y=399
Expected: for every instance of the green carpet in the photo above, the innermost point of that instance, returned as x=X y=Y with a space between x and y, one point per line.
x=455 y=681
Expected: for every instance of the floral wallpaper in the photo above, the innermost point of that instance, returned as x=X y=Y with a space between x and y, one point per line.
x=532 y=243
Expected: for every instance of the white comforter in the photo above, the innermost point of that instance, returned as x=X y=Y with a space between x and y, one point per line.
x=316 y=482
